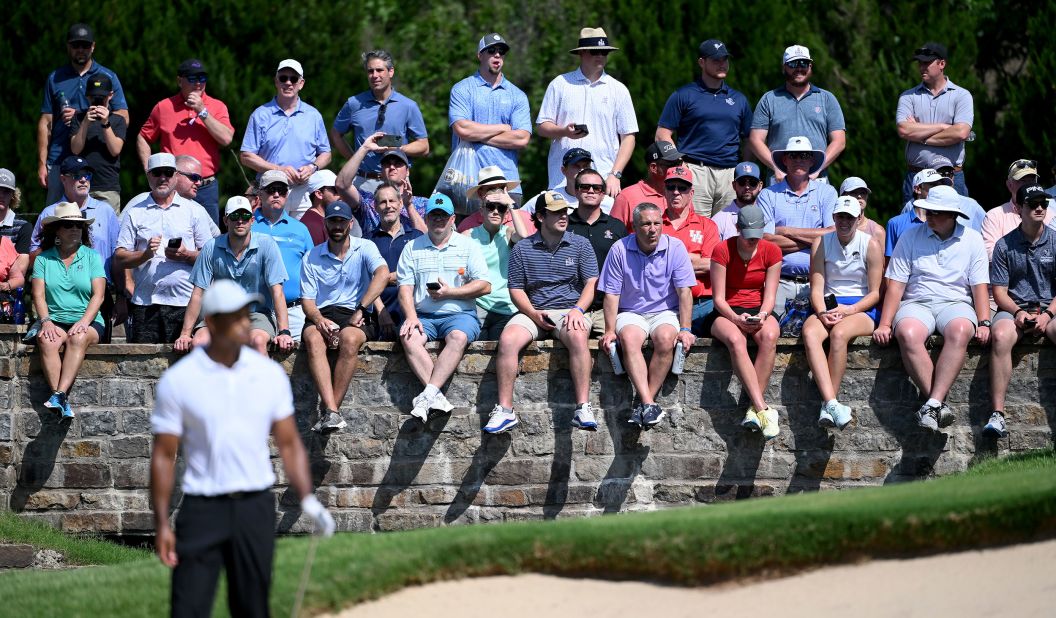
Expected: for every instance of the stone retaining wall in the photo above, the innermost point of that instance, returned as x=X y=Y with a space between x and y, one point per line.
x=385 y=472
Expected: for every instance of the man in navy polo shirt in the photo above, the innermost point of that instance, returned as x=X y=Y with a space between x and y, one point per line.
x=710 y=119
x=64 y=96
x=292 y=236
x=379 y=109
x=391 y=235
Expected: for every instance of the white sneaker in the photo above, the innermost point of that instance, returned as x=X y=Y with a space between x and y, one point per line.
x=584 y=418
x=768 y=418
x=501 y=421
x=842 y=415
x=421 y=403
x=825 y=416
x=441 y=403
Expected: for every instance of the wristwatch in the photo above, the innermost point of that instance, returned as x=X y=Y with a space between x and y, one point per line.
x=284 y=331
x=985 y=323
x=618 y=175
x=106 y=126
x=357 y=307
x=203 y=114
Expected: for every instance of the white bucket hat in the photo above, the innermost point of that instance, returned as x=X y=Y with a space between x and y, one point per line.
x=799 y=144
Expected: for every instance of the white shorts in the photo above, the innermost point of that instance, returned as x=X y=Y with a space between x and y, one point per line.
x=647 y=322
x=295 y=315
x=935 y=315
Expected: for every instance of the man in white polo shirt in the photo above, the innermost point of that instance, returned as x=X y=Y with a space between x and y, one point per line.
x=227 y=516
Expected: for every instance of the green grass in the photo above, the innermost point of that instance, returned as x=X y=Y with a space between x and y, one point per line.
x=998 y=502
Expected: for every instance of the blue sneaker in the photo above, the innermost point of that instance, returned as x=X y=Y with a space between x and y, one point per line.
x=652 y=414
x=637 y=415
x=995 y=427
x=584 y=418
x=501 y=420
x=56 y=401
x=67 y=411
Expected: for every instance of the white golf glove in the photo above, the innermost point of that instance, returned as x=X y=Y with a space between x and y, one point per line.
x=324 y=523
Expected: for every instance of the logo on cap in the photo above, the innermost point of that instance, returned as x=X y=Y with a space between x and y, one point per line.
x=718 y=45
x=496 y=37
x=601 y=41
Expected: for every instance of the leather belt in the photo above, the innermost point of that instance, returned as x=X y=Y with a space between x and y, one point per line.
x=293 y=303
x=796 y=278
x=956 y=168
x=207 y=181
x=369 y=175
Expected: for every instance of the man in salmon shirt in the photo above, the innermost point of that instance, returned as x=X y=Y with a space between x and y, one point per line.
x=698 y=233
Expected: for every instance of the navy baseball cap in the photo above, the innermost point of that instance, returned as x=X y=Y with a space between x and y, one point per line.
x=930 y=51
x=713 y=48
x=71 y=165
x=338 y=210
x=749 y=169
x=575 y=155
x=1031 y=193
x=190 y=67
x=439 y=201
x=398 y=153
x=80 y=33
x=99 y=85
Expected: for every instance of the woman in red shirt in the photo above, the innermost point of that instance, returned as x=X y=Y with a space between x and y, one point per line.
x=745 y=271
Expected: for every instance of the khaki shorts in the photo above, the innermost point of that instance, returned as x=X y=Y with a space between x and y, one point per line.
x=257 y=321
x=557 y=315
x=712 y=188
x=647 y=322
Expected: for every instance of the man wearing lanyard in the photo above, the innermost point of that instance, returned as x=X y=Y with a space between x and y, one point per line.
x=227 y=516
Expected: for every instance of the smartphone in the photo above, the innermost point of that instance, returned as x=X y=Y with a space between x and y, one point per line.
x=98 y=101
x=548 y=319
x=581 y=128
x=390 y=141
x=174 y=243
x=830 y=302
x=433 y=285
x=753 y=319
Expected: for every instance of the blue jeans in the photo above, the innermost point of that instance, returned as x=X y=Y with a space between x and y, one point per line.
x=958 y=185
x=701 y=308
x=439 y=325
x=209 y=198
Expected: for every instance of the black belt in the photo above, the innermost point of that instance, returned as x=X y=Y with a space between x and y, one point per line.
x=234 y=495
x=293 y=303
x=796 y=278
x=207 y=181
x=369 y=175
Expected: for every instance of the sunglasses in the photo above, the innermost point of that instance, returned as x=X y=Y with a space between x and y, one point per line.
x=1023 y=164
x=80 y=176
x=599 y=52
x=1038 y=205
x=163 y=172
x=587 y=187
x=751 y=183
x=286 y=78
x=195 y=79
x=798 y=64
x=276 y=189
x=195 y=178
x=946 y=172
x=240 y=216
x=80 y=45
x=500 y=208
x=67 y=225
x=491 y=51
x=381 y=116
x=677 y=187
x=800 y=156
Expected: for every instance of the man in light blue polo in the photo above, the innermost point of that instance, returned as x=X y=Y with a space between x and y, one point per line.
x=292 y=237
x=340 y=280
x=974 y=214
x=253 y=261
x=440 y=274
x=383 y=109
x=934 y=117
x=710 y=119
x=288 y=135
x=488 y=110
x=937 y=282
x=798 y=210
x=648 y=283
x=798 y=108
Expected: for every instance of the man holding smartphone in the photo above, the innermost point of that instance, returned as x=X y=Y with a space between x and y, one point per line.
x=99 y=136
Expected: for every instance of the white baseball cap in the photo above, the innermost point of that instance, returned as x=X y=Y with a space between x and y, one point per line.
x=847 y=204
x=290 y=63
x=238 y=202
x=320 y=179
x=796 y=52
x=226 y=296
x=161 y=160
x=929 y=175
x=853 y=183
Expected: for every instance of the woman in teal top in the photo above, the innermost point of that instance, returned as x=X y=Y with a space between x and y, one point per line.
x=495 y=309
x=68 y=287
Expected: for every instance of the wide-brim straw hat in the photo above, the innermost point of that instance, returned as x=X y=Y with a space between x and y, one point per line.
x=491 y=176
x=67 y=211
x=592 y=38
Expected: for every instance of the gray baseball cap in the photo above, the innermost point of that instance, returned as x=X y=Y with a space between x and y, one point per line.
x=7 y=178
x=750 y=221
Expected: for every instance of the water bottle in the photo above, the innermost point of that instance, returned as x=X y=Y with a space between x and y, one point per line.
x=333 y=339
x=680 y=359
x=460 y=278
x=614 y=358
x=65 y=103
x=18 y=309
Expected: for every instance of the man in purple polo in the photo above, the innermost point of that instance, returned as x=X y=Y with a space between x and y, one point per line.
x=648 y=282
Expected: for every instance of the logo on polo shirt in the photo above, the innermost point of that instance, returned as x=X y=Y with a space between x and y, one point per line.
x=729 y=101
x=817 y=109
x=569 y=262
x=696 y=236
x=608 y=234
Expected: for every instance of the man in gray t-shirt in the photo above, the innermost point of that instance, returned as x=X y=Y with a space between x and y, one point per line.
x=934 y=118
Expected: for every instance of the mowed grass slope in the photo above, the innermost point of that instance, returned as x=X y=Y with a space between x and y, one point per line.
x=998 y=502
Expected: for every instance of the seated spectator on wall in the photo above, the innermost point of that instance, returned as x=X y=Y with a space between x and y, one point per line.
x=846 y=267
x=11 y=225
x=698 y=233
x=395 y=169
x=68 y=287
x=491 y=181
x=660 y=156
x=937 y=282
x=855 y=187
x=573 y=162
x=745 y=274
x=648 y=283
x=12 y=266
x=390 y=236
x=1001 y=220
x=747 y=183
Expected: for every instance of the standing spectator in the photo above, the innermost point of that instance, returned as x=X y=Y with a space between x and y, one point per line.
x=64 y=96
x=486 y=109
x=390 y=236
x=552 y=278
x=496 y=233
x=68 y=288
x=253 y=262
x=380 y=109
x=798 y=210
x=98 y=136
x=747 y=183
x=660 y=156
x=745 y=271
x=440 y=274
x=13 y=227
x=798 y=108
x=710 y=119
x=647 y=280
x=191 y=123
x=936 y=283
x=698 y=234
x=396 y=171
x=846 y=266
x=491 y=180
x=288 y=135
x=572 y=163
x=290 y=235
x=934 y=117
x=218 y=405
x=1000 y=221
x=590 y=110
x=855 y=187
x=1022 y=278
x=340 y=280
x=159 y=240
x=322 y=191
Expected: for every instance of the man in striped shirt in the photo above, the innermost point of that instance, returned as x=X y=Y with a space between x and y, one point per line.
x=551 y=281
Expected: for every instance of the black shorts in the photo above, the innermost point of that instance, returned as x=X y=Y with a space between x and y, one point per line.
x=342 y=315
x=96 y=326
x=709 y=320
x=155 y=323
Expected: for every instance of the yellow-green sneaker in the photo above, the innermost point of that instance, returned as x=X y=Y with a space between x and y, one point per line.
x=768 y=419
x=751 y=420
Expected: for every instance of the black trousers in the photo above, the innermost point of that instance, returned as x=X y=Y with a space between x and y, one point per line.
x=237 y=533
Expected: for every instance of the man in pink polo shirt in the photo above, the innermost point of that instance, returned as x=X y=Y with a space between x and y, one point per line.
x=659 y=157
x=1003 y=219
x=191 y=123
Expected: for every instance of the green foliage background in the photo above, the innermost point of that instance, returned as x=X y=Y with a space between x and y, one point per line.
x=1002 y=51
